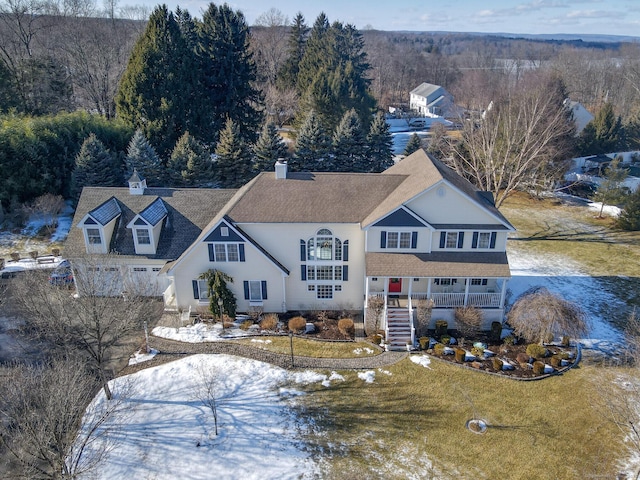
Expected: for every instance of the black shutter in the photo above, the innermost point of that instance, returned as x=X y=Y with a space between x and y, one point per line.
x=303 y=250
x=303 y=272
x=246 y=290
x=474 y=240
x=211 y=256
x=345 y=273
x=460 y=239
x=196 y=290
x=493 y=240
x=241 y=251
x=263 y=284
x=383 y=239
x=414 y=239
x=443 y=239
x=345 y=251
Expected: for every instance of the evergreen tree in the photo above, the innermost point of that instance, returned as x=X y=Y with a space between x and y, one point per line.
x=603 y=134
x=233 y=162
x=312 y=146
x=288 y=75
x=610 y=191
x=349 y=145
x=95 y=166
x=227 y=73
x=190 y=163
x=268 y=148
x=332 y=75
x=629 y=219
x=380 y=142
x=413 y=145
x=141 y=156
x=151 y=95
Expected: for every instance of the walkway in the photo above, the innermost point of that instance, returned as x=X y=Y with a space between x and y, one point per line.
x=172 y=350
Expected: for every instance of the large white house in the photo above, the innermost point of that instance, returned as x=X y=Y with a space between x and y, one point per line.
x=428 y=98
x=310 y=241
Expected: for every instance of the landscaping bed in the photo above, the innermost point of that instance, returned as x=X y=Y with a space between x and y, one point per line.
x=517 y=360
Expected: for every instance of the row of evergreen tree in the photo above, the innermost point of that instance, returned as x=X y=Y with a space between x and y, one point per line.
x=235 y=161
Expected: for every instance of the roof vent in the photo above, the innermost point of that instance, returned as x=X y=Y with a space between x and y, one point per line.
x=281 y=168
x=137 y=184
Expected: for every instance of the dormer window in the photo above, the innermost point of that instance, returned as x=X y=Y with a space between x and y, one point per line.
x=143 y=236
x=93 y=236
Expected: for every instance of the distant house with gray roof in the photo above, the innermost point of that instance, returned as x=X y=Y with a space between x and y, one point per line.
x=431 y=99
x=323 y=241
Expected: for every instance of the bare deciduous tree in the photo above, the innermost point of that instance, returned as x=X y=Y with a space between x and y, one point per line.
x=207 y=390
x=424 y=309
x=41 y=407
x=468 y=321
x=522 y=140
x=106 y=310
x=538 y=313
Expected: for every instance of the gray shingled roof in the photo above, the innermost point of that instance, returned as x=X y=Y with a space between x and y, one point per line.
x=426 y=89
x=189 y=210
x=455 y=264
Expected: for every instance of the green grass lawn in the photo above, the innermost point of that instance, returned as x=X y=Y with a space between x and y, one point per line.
x=411 y=424
x=313 y=348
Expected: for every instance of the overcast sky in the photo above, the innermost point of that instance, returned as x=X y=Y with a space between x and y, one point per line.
x=612 y=17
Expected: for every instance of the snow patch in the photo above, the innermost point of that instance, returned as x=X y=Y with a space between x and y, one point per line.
x=369 y=376
x=421 y=360
x=140 y=357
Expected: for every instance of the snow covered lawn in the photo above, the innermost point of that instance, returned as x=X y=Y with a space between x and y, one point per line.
x=168 y=434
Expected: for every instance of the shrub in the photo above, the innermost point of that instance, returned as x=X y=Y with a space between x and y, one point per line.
x=566 y=341
x=33 y=254
x=497 y=363
x=438 y=349
x=522 y=358
x=477 y=351
x=468 y=320
x=536 y=350
x=246 y=325
x=563 y=355
x=460 y=355
x=548 y=338
x=269 y=322
x=538 y=367
x=509 y=340
x=346 y=327
x=15 y=256
x=297 y=324
x=441 y=328
x=446 y=339
x=377 y=339
x=227 y=323
x=424 y=308
x=424 y=342
x=254 y=313
x=55 y=252
x=375 y=307
x=556 y=361
x=496 y=331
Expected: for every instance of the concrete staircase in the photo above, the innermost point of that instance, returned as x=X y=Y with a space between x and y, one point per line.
x=398 y=328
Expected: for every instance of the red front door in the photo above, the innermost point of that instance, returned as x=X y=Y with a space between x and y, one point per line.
x=395 y=285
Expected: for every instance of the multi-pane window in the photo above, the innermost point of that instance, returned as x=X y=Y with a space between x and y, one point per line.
x=225 y=252
x=324 y=291
x=93 y=236
x=451 y=240
x=478 y=281
x=484 y=239
x=203 y=289
x=139 y=269
x=255 y=291
x=324 y=273
x=398 y=240
x=324 y=246
x=143 y=237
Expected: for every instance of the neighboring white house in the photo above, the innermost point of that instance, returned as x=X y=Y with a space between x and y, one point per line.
x=429 y=98
x=581 y=116
x=313 y=241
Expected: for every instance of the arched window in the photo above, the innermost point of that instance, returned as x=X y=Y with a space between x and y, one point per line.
x=324 y=246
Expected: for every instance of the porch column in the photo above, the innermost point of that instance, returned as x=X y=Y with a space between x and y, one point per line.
x=503 y=292
x=284 y=294
x=366 y=292
x=429 y=282
x=467 y=282
x=409 y=293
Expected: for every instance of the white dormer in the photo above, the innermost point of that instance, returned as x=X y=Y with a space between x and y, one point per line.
x=137 y=183
x=146 y=227
x=98 y=226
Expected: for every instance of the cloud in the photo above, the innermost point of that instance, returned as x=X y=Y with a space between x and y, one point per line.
x=595 y=14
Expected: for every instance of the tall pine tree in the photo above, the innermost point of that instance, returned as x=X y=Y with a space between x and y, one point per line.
x=151 y=95
x=227 y=73
x=413 y=145
x=269 y=148
x=349 y=145
x=95 y=166
x=603 y=134
x=142 y=157
x=190 y=163
x=379 y=145
x=288 y=75
x=233 y=158
x=312 y=147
